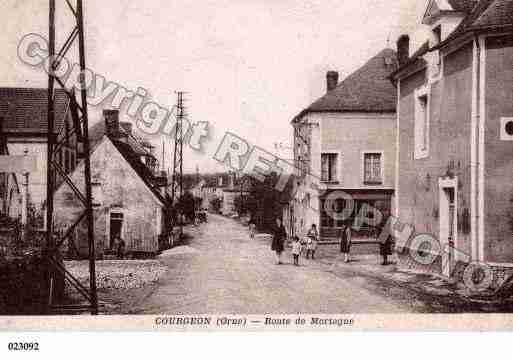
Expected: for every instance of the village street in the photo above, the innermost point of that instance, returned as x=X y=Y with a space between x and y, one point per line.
x=222 y=270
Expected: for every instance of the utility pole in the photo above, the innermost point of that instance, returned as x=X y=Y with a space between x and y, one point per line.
x=177 y=183
x=78 y=110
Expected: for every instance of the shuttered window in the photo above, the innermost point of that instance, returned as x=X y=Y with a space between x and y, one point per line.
x=372 y=168
x=329 y=162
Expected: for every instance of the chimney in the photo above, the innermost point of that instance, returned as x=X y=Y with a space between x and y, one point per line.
x=127 y=127
x=403 y=49
x=331 y=80
x=111 y=122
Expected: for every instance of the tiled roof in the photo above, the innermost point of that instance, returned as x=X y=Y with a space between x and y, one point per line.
x=26 y=109
x=365 y=90
x=131 y=150
x=489 y=14
x=464 y=6
x=485 y=15
x=498 y=13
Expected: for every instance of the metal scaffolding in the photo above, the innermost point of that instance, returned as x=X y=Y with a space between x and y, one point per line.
x=177 y=182
x=78 y=108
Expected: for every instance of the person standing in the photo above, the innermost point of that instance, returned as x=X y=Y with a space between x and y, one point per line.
x=345 y=242
x=385 y=249
x=312 y=243
x=279 y=236
x=296 y=249
x=120 y=243
x=252 y=228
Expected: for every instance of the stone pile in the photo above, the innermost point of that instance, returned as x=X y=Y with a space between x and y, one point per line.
x=118 y=274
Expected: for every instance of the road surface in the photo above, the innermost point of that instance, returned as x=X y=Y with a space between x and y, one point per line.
x=222 y=270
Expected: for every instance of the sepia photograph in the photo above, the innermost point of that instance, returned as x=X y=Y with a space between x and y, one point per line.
x=256 y=165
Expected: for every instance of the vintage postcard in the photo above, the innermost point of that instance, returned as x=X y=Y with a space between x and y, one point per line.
x=254 y=165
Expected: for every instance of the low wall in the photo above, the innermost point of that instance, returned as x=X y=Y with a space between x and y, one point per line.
x=500 y=275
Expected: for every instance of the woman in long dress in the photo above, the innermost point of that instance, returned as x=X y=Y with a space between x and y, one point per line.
x=279 y=236
x=345 y=242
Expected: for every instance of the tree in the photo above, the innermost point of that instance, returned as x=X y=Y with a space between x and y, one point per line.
x=215 y=204
x=265 y=203
x=242 y=204
x=185 y=205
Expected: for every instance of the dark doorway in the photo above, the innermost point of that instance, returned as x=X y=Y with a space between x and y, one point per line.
x=116 y=223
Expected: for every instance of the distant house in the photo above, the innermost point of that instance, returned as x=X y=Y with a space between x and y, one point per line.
x=455 y=127
x=212 y=186
x=235 y=188
x=345 y=142
x=24 y=124
x=10 y=191
x=129 y=195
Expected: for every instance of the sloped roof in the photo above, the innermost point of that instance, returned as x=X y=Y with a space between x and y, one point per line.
x=488 y=15
x=498 y=13
x=365 y=90
x=25 y=110
x=131 y=150
x=97 y=131
x=464 y=6
x=140 y=168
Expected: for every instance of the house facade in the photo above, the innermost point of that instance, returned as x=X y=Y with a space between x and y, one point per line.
x=24 y=126
x=344 y=148
x=129 y=197
x=455 y=133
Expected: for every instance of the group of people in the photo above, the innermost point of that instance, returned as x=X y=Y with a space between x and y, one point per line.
x=308 y=244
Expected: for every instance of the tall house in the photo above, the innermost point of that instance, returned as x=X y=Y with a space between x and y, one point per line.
x=455 y=132
x=23 y=112
x=345 y=143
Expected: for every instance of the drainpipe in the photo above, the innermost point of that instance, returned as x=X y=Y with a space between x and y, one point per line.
x=481 y=148
x=474 y=152
x=478 y=164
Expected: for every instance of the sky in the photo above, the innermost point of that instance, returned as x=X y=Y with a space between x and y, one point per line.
x=247 y=66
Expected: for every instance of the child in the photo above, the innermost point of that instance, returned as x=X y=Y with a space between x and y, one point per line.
x=304 y=245
x=252 y=228
x=296 y=249
x=312 y=244
x=312 y=247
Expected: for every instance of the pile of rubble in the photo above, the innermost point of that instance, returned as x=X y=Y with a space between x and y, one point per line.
x=118 y=274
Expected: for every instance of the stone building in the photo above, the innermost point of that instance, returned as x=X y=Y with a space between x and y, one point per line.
x=345 y=142
x=455 y=132
x=129 y=195
x=24 y=125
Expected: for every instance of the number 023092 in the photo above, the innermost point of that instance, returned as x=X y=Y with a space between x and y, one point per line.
x=19 y=346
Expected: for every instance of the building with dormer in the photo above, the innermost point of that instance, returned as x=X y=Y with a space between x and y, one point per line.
x=129 y=194
x=455 y=132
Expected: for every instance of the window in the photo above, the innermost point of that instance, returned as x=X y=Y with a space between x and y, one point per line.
x=329 y=162
x=421 y=124
x=372 y=168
